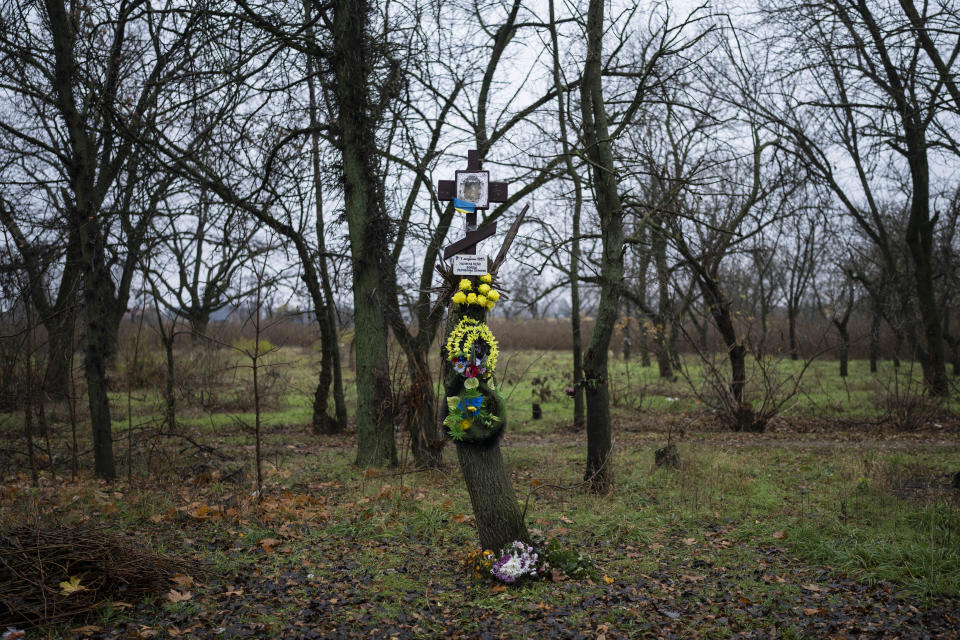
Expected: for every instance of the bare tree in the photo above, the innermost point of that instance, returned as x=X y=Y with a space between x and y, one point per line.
x=877 y=84
x=81 y=78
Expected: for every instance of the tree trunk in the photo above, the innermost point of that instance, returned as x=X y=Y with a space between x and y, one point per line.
x=599 y=471
x=330 y=371
x=499 y=518
x=663 y=354
x=368 y=229
x=745 y=419
x=495 y=508
x=579 y=419
x=426 y=444
x=792 y=332
x=875 y=319
x=61 y=325
x=171 y=398
x=664 y=303
x=644 y=347
x=98 y=348
x=844 y=351
x=626 y=336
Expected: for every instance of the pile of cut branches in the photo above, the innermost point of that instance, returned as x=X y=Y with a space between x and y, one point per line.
x=51 y=574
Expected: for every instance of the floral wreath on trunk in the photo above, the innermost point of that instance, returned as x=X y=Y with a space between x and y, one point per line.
x=473 y=351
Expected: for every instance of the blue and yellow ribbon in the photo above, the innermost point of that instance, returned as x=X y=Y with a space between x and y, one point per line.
x=463 y=206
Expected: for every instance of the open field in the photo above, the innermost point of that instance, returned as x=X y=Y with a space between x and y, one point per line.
x=833 y=523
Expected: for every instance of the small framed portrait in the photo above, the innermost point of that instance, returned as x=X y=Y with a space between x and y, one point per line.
x=474 y=186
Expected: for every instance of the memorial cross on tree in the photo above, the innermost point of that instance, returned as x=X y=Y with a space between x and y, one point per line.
x=472 y=185
x=475 y=412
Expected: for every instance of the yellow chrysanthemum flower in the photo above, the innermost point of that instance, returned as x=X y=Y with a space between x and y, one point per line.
x=486 y=278
x=490 y=305
x=465 y=285
x=483 y=288
x=493 y=295
x=459 y=297
x=471 y=298
x=482 y=300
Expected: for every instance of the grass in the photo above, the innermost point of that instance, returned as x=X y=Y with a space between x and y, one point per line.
x=741 y=513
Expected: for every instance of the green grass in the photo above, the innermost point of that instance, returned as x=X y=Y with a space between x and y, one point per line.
x=872 y=509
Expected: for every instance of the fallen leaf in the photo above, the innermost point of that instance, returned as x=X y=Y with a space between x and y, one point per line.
x=86 y=629
x=689 y=541
x=233 y=592
x=121 y=605
x=178 y=596
x=499 y=588
x=268 y=544
x=182 y=581
x=566 y=520
x=812 y=587
x=72 y=585
x=780 y=535
x=813 y=612
x=607 y=579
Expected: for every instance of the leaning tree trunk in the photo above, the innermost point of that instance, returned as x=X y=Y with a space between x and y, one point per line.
x=499 y=518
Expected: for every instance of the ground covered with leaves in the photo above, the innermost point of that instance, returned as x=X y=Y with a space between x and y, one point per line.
x=788 y=534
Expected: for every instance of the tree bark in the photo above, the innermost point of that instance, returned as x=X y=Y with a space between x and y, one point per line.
x=498 y=515
x=85 y=219
x=579 y=417
x=61 y=325
x=875 y=319
x=599 y=471
x=368 y=230
x=792 y=332
x=495 y=508
x=664 y=303
x=426 y=444
x=844 y=351
x=330 y=369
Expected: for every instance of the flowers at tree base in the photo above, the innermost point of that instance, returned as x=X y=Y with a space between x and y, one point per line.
x=477 y=563
x=516 y=561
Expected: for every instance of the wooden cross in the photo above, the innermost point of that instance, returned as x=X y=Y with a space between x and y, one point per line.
x=473 y=185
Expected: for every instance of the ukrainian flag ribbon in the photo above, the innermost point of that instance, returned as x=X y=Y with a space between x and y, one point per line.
x=463 y=206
